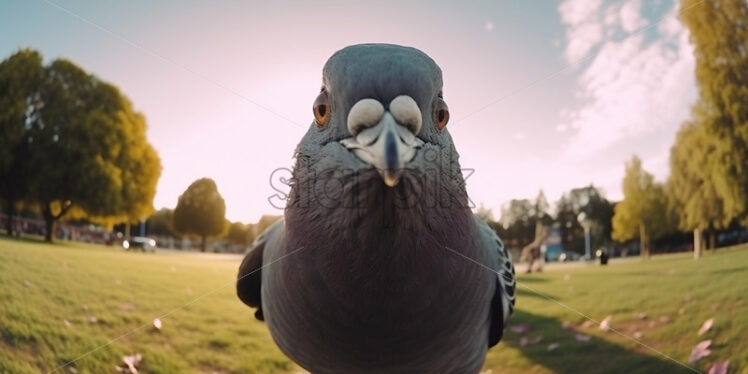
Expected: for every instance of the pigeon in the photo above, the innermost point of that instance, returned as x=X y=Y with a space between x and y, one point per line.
x=379 y=264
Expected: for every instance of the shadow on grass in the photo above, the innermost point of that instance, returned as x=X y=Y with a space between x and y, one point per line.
x=523 y=292
x=527 y=278
x=572 y=356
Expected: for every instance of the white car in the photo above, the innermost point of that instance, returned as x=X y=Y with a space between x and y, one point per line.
x=142 y=243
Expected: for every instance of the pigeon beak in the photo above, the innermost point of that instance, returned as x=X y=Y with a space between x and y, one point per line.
x=386 y=146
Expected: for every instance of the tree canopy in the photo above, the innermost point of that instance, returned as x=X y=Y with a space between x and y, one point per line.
x=84 y=148
x=644 y=210
x=719 y=33
x=590 y=201
x=201 y=211
x=20 y=76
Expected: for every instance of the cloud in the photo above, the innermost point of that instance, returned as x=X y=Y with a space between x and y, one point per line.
x=635 y=88
x=584 y=28
x=631 y=18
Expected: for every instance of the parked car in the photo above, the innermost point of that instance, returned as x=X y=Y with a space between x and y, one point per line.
x=141 y=243
x=569 y=256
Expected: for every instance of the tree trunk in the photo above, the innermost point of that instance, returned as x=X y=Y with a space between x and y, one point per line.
x=49 y=221
x=712 y=239
x=697 y=246
x=643 y=241
x=203 y=243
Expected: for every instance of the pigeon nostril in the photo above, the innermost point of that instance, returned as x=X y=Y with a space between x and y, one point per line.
x=364 y=114
x=406 y=112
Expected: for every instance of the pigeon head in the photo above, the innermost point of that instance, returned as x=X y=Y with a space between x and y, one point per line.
x=379 y=122
x=377 y=99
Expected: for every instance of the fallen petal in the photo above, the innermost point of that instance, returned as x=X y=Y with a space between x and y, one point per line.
x=706 y=326
x=553 y=346
x=131 y=363
x=682 y=311
x=605 y=324
x=66 y=323
x=520 y=329
x=638 y=335
x=127 y=307
x=587 y=324
x=157 y=324
x=664 y=319
x=582 y=337
x=27 y=283
x=566 y=325
x=523 y=342
x=641 y=315
x=719 y=367
x=700 y=351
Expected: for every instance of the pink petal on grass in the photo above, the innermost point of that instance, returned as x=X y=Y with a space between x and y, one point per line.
x=682 y=311
x=582 y=337
x=553 y=346
x=157 y=324
x=637 y=335
x=587 y=324
x=706 y=326
x=520 y=329
x=700 y=351
x=66 y=323
x=719 y=367
x=605 y=324
x=131 y=364
x=524 y=342
x=665 y=319
x=641 y=315
x=566 y=325
x=27 y=283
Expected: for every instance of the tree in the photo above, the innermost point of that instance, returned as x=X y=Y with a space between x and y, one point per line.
x=239 y=233
x=518 y=222
x=719 y=33
x=592 y=202
x=160 y=222
x=88 y=153
x=691 y=185
x=20 y=75
x=201 y=211
x=644 y=209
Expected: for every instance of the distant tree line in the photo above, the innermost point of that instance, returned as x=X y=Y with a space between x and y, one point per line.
x=71 y=146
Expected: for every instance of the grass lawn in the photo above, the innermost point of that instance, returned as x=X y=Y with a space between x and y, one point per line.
x=51 y=294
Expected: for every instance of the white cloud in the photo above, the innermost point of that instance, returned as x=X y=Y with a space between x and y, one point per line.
x=634 y=93
x=584 y=28
x=631 y=17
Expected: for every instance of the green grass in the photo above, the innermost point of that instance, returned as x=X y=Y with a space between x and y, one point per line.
x=41 y=286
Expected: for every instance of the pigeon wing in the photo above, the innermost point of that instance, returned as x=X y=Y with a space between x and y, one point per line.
x=249 y=280
x=502 y=304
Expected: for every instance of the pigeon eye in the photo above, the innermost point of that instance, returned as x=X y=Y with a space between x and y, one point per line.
x=441 y=114
x=322 y=109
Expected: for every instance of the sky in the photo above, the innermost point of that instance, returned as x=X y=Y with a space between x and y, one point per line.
x=547 y=95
